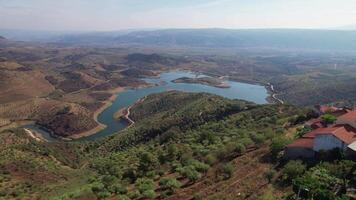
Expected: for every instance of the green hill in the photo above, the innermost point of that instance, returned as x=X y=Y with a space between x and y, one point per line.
x=182 y=146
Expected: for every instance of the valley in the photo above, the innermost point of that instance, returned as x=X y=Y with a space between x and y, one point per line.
x=177 y=100
x=156 y=122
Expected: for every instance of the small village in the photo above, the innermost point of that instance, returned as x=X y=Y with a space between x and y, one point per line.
x=333 y=131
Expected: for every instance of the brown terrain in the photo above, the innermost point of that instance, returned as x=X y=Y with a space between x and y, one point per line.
x=248 y=181
x=63 y=89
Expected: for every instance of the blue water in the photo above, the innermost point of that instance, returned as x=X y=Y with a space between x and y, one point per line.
x=237 y=90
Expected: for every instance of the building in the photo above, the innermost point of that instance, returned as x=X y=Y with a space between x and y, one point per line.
x=323 y=109
x=348 y=118
x=341 y=135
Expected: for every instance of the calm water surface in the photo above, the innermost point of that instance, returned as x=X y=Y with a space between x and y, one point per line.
x=249 y=92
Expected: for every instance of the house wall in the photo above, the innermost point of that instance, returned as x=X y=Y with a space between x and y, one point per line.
x=298 y=152
x=328 y=142
x=349 y=122
x=351 y=154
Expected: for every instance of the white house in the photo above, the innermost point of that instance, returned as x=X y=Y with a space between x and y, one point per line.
x=322 y=139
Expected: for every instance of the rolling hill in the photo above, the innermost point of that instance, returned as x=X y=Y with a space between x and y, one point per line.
x=301 y=39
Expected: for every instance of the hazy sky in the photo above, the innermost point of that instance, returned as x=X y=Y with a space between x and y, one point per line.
x=124 y=14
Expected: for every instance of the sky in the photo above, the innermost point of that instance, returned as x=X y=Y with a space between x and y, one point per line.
x=110 y=15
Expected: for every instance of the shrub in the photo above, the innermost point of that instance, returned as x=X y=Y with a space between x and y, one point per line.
x=258 y=139
x=97 y=187
x=328 y=118
x=269 y=175
x=228 y=169
x=144 y=184
x=118 y=188
x=122 y=197
x=293 y=169
x=190 y=173
x=277 y=145
x=240 y=148
x=134 y=194
x=149 y=194
x=130 y=174
x=200 y=166
x=210 y=159
x=103 y=195
x=148 y=162
x=170 y=183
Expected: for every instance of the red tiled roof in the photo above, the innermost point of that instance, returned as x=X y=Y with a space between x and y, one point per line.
x=345 y=133
x=347 y=127
x=315 y=123
x=303 y=142
x=319 y=131
x=349 y=116
x=325 y=108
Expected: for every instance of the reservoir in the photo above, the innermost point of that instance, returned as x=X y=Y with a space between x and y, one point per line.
x=237 y=90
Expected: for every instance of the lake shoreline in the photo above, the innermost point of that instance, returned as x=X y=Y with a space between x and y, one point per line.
x=238 y=91
x=100 y=126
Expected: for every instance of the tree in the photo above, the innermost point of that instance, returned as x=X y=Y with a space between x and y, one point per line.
x=269 y=175
x=293 y=169
x=149 y=194
x=277 y=145
x=199 y=166
x=146 y=187
x=147 y=162
x=170 y=183
x=190 y=173
x=240 y=148
x=122 y=197
x=99 y=190
x=328 y=118
x=344 y=171
x=227 y=170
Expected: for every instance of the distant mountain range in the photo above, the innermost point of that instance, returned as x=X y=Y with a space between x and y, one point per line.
x=220 y=38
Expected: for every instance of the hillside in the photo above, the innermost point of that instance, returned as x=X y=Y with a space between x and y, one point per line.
x=182 y=146
x=302 y=39
x=197 y=142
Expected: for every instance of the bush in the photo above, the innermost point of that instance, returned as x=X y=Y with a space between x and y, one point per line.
x=225 y=171
x=277 y=145
x=258 y=139
x=246 y=141
x=210 y=159
x=144 y=184
x=118 y=188
x=148 y=162
x=240 y=148
x=134 y=194
x=97 y=187
x=293 y=169
x=103 y=195
x=190 y=173
x=149 y=194
x=122 y=197
x=328 y=118
x=200 y=166
x=170 y=183
x=269 y=175
x=131 y=175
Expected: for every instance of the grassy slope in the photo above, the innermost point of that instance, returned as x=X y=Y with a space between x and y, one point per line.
x=176 y=134
x=29 y=169
x=201 y=128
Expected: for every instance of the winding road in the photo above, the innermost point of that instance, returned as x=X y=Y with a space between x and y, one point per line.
x=274 y=94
